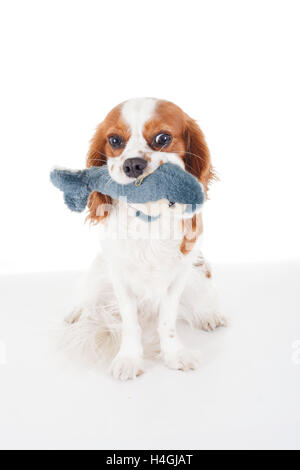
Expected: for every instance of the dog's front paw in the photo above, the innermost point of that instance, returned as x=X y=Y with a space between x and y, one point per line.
x=212 y=321
x=182 y=359
x=126 y=367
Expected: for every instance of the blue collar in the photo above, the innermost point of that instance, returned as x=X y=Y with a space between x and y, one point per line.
x=146 y=218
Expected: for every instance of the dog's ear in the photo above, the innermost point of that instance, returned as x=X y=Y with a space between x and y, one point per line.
x=197 y=158
x=98 y=203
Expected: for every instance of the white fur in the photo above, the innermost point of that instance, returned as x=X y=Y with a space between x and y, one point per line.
x=142 y=279
x=136 y=112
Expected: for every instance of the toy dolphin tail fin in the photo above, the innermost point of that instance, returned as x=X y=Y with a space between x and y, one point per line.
x=68 y=180
x=74 y=185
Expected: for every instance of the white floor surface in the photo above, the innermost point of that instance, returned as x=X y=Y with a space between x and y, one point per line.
x=245 y=395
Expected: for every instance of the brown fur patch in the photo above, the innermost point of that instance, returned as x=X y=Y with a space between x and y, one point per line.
x=201 y=263
x=208 y=273
x=197 y=158
x=168 y=118
x=192 y=228
x=98 y=153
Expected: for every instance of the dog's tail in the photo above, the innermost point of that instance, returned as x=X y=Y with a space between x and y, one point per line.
x=93 y=335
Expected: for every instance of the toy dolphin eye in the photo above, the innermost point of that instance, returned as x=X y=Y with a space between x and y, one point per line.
x=116 y=141
x=162 y=140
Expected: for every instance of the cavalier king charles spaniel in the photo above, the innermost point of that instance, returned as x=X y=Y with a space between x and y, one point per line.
x=151 y=272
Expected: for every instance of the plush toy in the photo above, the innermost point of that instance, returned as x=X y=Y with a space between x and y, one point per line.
x=169 y=182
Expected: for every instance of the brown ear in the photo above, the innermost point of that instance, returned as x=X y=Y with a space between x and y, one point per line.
x=98 y=203
x=197 y=157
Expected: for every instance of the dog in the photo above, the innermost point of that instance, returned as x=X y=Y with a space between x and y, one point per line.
x=146 y=276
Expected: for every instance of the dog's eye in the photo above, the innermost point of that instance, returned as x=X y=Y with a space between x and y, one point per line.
x=162 y=140
x=116 y=141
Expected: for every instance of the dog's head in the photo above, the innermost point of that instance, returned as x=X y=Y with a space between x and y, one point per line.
x=138 y=136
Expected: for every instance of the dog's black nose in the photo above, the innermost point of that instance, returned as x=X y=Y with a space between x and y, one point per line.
x=134 y=167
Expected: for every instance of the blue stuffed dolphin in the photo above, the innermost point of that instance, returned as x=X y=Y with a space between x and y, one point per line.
x=169 y=182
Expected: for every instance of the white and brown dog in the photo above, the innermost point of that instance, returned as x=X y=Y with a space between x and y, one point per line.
x=145 y=271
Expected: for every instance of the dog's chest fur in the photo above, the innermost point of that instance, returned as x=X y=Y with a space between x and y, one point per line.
x=147 y=263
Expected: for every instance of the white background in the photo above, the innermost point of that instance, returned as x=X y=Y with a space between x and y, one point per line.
x=233 y=66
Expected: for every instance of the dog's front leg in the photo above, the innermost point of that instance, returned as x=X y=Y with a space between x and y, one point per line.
x=174 y=354
x=128 y=363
